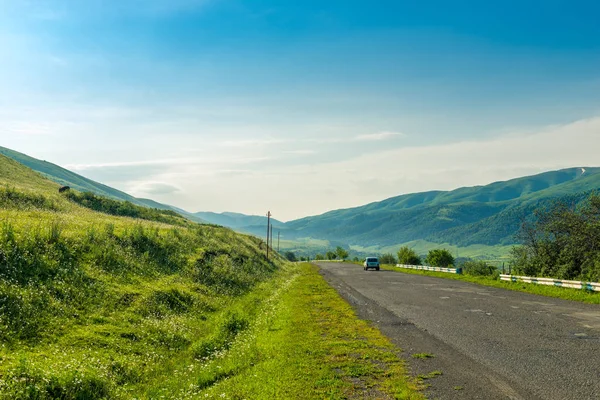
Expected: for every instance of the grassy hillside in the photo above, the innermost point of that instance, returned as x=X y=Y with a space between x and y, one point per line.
x=98 y=306
x=67 y=178
x=488 y=215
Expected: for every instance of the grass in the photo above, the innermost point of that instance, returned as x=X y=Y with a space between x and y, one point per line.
x=98 y=306
x=548 y=291
x=430 y=375
x=308 y=343
x=423 y=356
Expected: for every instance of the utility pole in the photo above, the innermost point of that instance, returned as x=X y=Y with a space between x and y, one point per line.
x=271 y=236
x=268 y=229
x=278 y=232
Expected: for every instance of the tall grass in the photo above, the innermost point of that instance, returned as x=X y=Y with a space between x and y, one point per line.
x=97 y=306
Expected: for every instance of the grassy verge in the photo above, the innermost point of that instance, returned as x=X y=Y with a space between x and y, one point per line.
x=308 y=343
x=549 y=291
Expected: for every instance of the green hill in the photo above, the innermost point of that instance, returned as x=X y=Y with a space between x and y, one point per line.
x=95 y=305
x=65 y=177
x=488 y=214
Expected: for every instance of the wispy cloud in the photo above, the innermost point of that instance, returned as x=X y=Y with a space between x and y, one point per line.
x=28 y=128
x=155 y=188
x=385 y=135
x=303 y=152
x=252 y=142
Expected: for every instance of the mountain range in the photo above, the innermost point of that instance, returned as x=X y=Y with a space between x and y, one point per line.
x=487 y=215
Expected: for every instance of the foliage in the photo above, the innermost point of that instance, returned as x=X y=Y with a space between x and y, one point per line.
x=563 y=241
x=479 y=268
x=387 y=259
x=319 y=257
x=290 y=256
x=341 y=253
x=21 y=200
x=123 y=208
x=440 y=258
x=408 y=256
x=331 y=255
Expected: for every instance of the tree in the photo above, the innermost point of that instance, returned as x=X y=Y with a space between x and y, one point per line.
x=319 y=257
x=440 y=258
x=341 y=253
x=331 y=255
x=387 y=259
x=290 y=255
x=561 y=241
x=408 y=256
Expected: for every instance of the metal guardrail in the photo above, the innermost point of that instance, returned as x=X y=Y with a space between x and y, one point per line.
x=553 y=282
x=436 y=269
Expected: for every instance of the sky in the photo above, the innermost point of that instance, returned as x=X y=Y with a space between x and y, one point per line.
x=300 y=107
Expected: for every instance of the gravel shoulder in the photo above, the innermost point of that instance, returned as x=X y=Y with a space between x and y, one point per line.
x=489 y=343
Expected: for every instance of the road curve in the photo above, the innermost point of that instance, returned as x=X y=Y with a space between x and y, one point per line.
x=489 y=343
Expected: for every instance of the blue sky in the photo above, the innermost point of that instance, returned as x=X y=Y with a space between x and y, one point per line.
x=299 y=107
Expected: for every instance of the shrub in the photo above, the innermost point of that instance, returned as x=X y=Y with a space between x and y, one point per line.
x=290 y=256
x=12 y=198
x=408 y=256
x=440 y=258
x=123 y=208
x=479 y=268
x=387 y=259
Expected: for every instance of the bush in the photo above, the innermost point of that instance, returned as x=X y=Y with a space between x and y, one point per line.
x=408 y=256
x=290 y=256
x=124 y=208
x=441 y=258
x=12 y=198
x=479 y=268
x=387 y=259
x=561 y=242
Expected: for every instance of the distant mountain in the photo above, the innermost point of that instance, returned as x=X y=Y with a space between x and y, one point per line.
x=488 y=214
x=238 y=221
x=78 y=182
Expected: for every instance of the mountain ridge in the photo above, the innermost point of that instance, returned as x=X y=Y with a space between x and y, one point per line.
x=484 y=214
x=65 y=177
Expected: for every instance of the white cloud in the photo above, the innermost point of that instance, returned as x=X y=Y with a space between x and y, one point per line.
x=252 y=142
x=154 y=188
x=305 y=152
x=385 y=135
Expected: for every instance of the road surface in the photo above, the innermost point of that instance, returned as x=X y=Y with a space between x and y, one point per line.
x=489 y=343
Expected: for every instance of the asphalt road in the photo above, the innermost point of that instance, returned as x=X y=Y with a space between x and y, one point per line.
x=489 y=343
